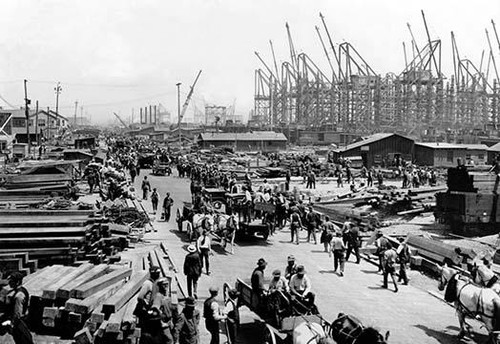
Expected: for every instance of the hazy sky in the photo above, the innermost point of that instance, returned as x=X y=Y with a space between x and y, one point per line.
x=123 y=54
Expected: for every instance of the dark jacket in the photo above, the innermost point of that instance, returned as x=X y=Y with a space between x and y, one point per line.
x=192 y=264
x=187 y=328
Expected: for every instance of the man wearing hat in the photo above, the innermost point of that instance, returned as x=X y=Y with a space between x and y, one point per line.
x=186 y=329
x=278 y=283
x=233 y=314
x=291 y=268
x=338 y=248
x=300 y=287
x=168 y=313
x=145 y=186
x=212 y=315
x=167 y=206
x=257 y=279
x=382 y=244
x=147 y=293
x=13 y=320
x=403 y=252
x=389 y=262
x=192 y=270
x=295 y=226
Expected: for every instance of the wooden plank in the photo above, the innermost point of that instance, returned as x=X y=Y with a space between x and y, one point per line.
x=97 y=271
x=145 y=263
x=94 y=301
x=47 y=279
x=102 y=329
x=50 y=292
x=83 y=336
x=49 y=316
x=128 y=320
x=153 y=259
x=93 y=286
x=115 y=321
x=116 y=302
x=164 y=267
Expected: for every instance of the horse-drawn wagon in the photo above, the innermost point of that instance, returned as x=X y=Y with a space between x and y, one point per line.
x=287 y=320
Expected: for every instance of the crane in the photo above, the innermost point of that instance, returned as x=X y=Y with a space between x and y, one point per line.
x=188 y=99
x=121 y=120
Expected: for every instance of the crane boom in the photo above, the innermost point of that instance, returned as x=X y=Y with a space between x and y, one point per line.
x=121 y=120
x=188 y=98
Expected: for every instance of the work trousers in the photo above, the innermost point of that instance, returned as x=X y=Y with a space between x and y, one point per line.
x=294 y=231
x=402 y=273
x=204 y=255
x=352 y=247
x=167 y=211
x=192 y=284
x=155 y=205
x=338 y=260
x=213 y=327
x=311 y=232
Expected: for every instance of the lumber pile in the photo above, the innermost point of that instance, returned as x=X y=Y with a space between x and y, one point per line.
x=113 y=321
x=30 y=239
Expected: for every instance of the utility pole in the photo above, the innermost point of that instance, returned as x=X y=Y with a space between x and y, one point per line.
x=179 y=110
x=58 y=90
x=76 y=109
x=47 y=131
x=36 y=126
x=27 y=102
x=81 y=115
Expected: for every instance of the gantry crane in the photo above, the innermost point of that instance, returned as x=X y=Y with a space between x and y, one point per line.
x=188 y=98
x=121 y=120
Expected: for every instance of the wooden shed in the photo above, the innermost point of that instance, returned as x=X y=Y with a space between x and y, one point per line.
x=264 y=141
x=381 y=149
x=442 y=154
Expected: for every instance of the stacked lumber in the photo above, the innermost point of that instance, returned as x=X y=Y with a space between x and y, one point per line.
x=36 y=238
x=18 y=181
x=113 y=321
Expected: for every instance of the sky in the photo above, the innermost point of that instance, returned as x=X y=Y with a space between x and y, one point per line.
x=120 y=55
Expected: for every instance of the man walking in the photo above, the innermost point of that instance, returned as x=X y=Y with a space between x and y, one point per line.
x=167 y=207
x=145 y=187
x=403 y=252
x=154 y=200
x=13 y=320
x=389 y=262
x=312 y=222
x=205 y=249
x=186 y=328
x=212 y=315
x=295 y=226
x=353 y=242
x=338 y=249
x=168 y=312
x=257 y=279
x=192 y=270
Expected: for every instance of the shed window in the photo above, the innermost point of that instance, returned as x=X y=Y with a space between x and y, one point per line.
x=449 y=156
x=321 y=137
x=18 y=122
x=481 y=156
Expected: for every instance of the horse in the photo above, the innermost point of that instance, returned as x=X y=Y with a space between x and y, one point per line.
x=483 y=276
x=201 y=222
x=227 y=226
x=310 y=333
x=346 y=329
x=471 y=301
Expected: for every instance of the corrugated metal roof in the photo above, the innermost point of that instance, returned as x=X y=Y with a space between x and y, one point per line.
x=445 y=145
x=367 y=141
x=440 y=145
x=254 y=136
x=494 y=148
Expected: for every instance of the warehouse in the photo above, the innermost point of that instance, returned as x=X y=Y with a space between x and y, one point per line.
x=383 y=149
x=265 y=141
x=442 y=154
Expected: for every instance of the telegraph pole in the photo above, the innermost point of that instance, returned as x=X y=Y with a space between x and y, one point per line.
x=27 y=102
x=76 y=110
x=58 y=90
x=36 y=126
x=179 y=110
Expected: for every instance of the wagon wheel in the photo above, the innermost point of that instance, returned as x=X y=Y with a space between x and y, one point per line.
x=268 y=336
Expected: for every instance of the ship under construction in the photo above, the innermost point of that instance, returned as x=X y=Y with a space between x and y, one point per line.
x=351 y=97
